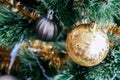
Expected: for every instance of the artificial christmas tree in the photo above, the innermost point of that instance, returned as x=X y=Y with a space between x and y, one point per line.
x=51 y=59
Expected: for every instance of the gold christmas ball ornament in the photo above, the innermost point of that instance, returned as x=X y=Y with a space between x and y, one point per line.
x=86 y=45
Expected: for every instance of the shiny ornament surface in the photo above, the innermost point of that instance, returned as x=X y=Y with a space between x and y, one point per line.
x=46 y=28
x=86 y=46
x=7 y=77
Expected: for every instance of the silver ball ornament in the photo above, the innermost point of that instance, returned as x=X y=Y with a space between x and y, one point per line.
x=7 y=77
x=46 y=28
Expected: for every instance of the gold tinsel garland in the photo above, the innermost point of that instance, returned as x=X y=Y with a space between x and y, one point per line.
x=46 y=51
x=114 y=30
x=5 y=60
x=17 y=7
x=40 y=48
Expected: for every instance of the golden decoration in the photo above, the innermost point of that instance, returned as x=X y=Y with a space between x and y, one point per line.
x=17 y=7
x=5 y=60
x=46 y=51
x=87 y=45
x=114 y=30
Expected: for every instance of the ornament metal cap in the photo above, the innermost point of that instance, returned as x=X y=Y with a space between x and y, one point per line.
x=50 y=14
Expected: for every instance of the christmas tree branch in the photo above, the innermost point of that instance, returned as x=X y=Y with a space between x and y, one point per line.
x=12 y=27
x=41 y=67
x=47 y=52
x=5 y=59
x=101 y=11
x=109 y=67
x=32 y=16
x=114 y=30
x=49 y=56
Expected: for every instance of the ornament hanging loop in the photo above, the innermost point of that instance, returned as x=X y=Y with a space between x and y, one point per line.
x=50 y=14
x=93 y=27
